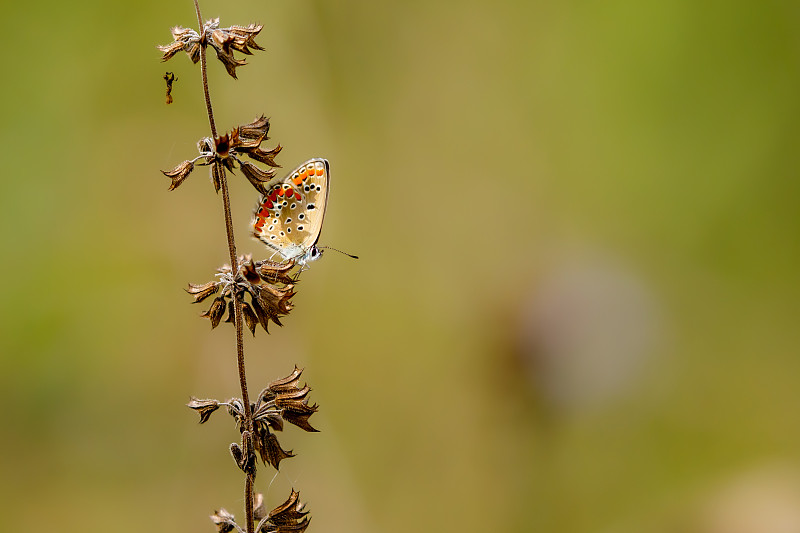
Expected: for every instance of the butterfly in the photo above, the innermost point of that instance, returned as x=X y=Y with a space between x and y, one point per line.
x=288 y=219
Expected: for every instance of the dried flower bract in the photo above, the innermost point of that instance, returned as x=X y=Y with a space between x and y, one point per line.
x=223 y=40
x=227 y=151
x=264 y=288
x=284 y=400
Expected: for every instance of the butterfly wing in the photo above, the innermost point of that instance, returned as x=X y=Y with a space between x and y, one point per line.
x=288 y=219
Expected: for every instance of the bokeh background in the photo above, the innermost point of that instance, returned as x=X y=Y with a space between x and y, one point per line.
x=576 y=307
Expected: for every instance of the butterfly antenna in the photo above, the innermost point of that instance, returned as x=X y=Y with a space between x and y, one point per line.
x=337 y=250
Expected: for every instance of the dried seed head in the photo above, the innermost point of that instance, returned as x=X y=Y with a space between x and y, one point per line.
x=268 y=287
x=227 y=150
x=204 y=407
x=231 y=313
x=178 y=174
x=248 y=270
x=258 y=129
x=226 y=40
x=250 y=318
x=223 y=146
x=289 y=513
x=272 y=272
x=185 y=39
x=224 y=521
x=289 y=383
x=269 y=448
x=257 y=177
x=216 y=311
x=217 y=172
x=201 y=292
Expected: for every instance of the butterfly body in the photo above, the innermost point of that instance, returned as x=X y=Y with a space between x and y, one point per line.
x=288 y=218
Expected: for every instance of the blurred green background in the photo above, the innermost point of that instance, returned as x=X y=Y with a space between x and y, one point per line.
x=576 y=307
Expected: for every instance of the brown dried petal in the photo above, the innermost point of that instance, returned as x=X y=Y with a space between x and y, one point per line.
x=245 y=37
x=300 y=418
x=270 y=417
x=299 y=527
x=194 y=52
x=266 y=157
x=170 y=50
x=223 y=520
x=201 y=292
x=248 y=270
x=203 y=407
x=228 y=61
x=273 y=299
x=216 y=176
x=292 y=396
x=272 y=272
x=179 y=33
x=231 y=313
x=184 y=39
x=250 y=318
x=264 y=397
x=178 y=174
x=216 y=311
x=270 y=449
x=287 y=383
x=221 y=39
x=288 y=511
x=243 y=143
x=222 y=145
x=258 y=129
x=256 y=176
x=263 y=317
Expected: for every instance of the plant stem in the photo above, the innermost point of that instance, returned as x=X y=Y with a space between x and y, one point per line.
x=237 y=304
x=205 y=76
x=237 y=314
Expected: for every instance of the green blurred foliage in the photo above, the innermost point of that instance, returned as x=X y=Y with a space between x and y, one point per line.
x=479 y=151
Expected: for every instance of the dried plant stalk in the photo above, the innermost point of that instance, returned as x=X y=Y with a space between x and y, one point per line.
x=245 y=292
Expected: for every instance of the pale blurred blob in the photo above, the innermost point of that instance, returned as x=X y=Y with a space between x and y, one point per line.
x=766 y=500
x=587 y=330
